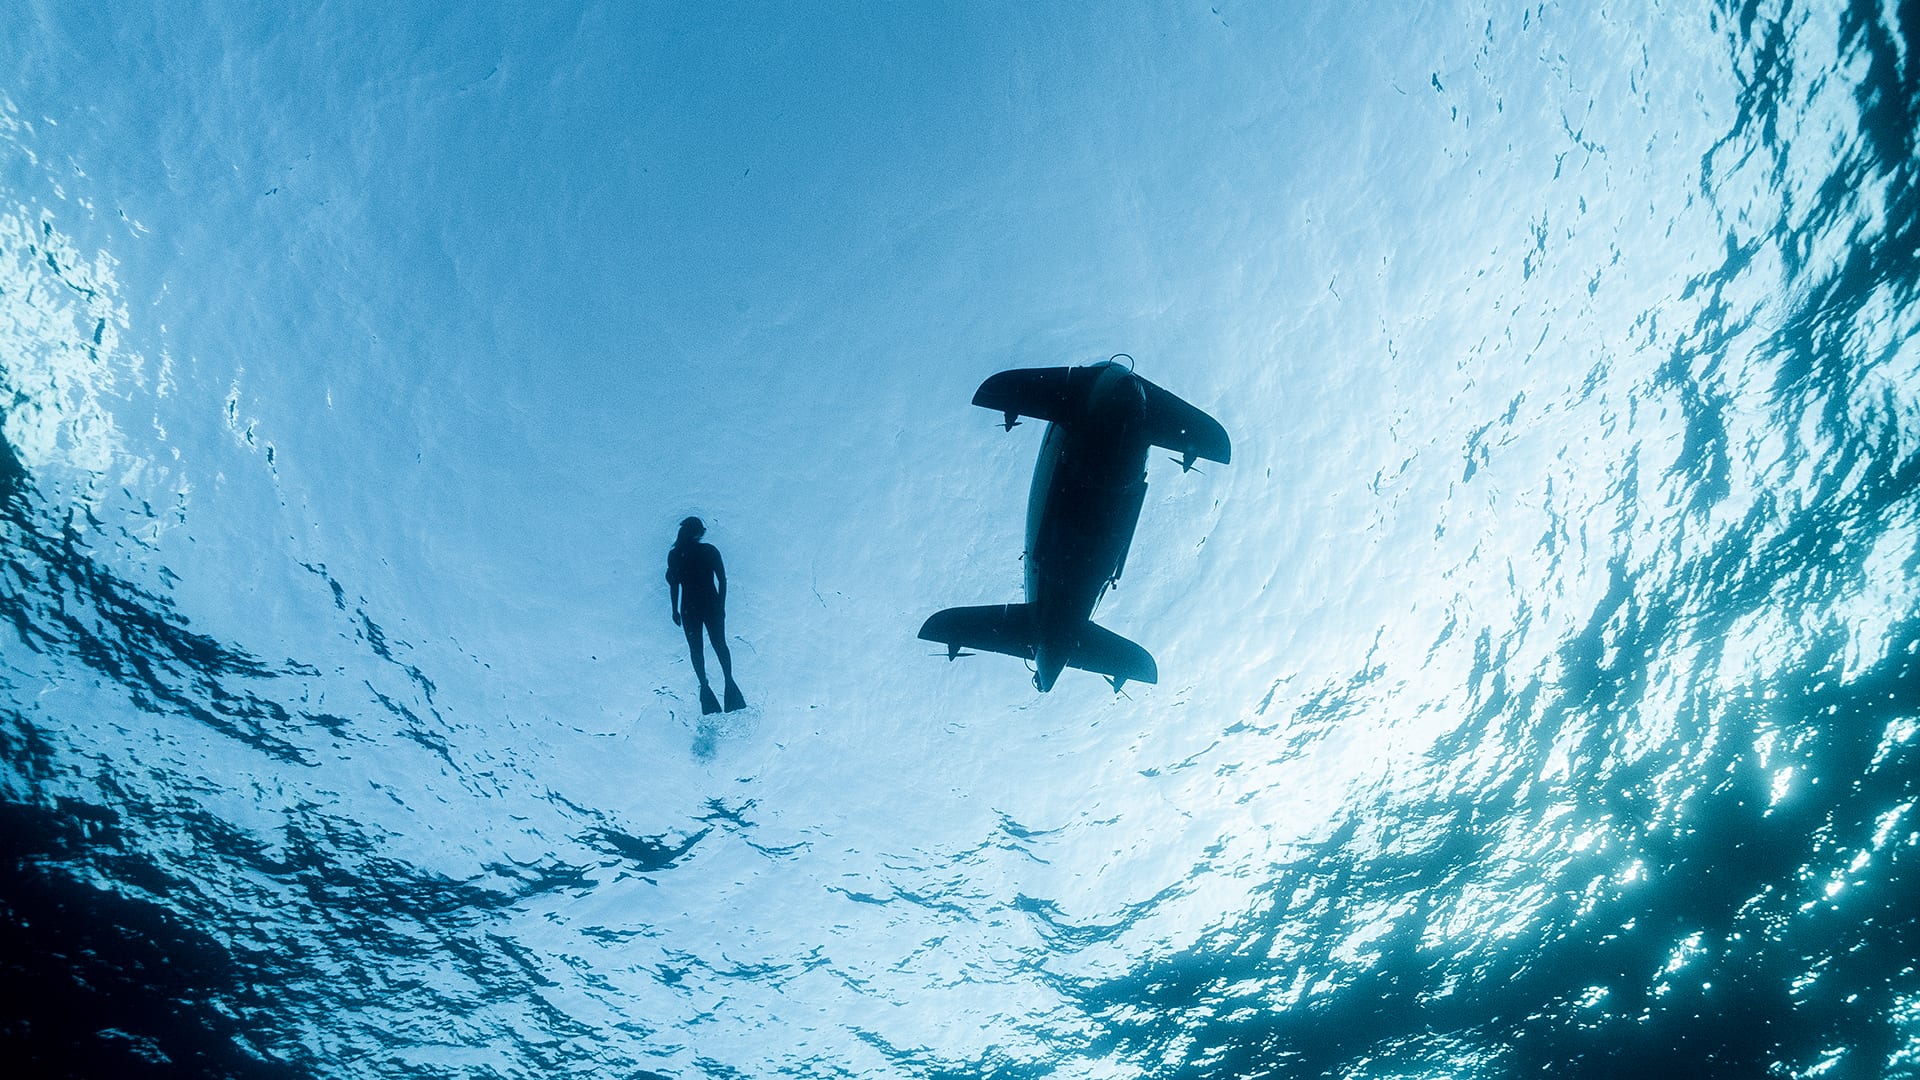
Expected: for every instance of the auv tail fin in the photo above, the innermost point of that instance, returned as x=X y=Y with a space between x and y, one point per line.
x=1013 y=630
x=1009 y=629
x=1104 y=652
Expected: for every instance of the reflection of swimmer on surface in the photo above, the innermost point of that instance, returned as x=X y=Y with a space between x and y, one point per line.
x=697 y=587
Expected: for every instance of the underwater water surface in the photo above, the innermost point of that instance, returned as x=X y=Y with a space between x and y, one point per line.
x=1537 y=685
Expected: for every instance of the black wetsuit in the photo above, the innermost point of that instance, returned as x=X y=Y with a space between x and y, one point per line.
x=701 y=576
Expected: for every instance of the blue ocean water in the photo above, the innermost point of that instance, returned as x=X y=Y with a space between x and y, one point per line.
x=1538 y=689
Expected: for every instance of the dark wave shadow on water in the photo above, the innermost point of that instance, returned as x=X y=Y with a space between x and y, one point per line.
x=142 y=934
x=117 y=960
x=1689 y=917
x=101 y=983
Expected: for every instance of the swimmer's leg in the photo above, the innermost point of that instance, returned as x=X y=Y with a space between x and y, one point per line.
x=708 y=704
x=717 y=629
x=691 y=623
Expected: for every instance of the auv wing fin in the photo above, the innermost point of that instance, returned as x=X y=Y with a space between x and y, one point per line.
x=1042 y=393
x=1183 y=429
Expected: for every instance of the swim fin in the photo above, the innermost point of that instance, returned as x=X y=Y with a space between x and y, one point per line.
x=707 y=702
x=734 y=700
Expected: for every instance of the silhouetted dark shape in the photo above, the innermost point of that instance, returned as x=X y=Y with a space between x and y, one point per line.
x=1088 y=486
x=651 y=853
x=697 y=586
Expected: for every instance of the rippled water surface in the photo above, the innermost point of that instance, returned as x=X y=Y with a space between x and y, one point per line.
x=1538 y=689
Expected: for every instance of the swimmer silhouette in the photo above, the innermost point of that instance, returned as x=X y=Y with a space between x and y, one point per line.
x=697 y=586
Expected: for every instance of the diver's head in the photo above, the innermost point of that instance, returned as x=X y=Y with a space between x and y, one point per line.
x=691 y=529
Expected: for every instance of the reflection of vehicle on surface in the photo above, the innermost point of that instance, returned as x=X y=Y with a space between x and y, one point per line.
x=1088 y=487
